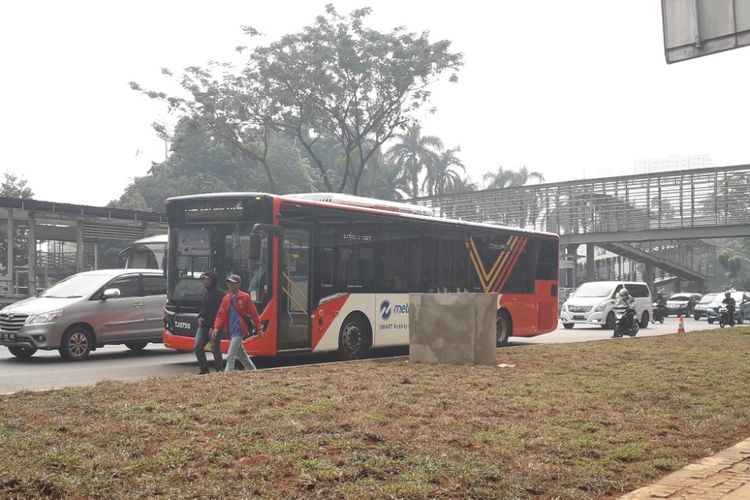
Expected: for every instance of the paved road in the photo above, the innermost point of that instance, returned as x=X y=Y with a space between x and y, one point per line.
x=586 y=334
x=47 y=371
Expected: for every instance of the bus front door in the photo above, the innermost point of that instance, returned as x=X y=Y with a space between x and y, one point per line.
x=294 y=290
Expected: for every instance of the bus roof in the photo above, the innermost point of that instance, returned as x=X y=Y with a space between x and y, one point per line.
x=360 y=204
x=159 y=238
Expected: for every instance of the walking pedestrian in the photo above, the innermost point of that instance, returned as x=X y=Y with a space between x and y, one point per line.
x=236 y=314
x=206 y=317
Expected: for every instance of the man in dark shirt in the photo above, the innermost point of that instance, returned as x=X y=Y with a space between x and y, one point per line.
x=206 y=317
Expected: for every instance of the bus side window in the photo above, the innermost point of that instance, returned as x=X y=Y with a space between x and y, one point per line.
x=325 y=268
x=548 y=260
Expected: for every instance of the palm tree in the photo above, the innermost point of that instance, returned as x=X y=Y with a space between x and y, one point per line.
x=498 y=179
x=412 y=154
x=382 y=179
x=503 y=178
x=444 y=172
x=523 y=176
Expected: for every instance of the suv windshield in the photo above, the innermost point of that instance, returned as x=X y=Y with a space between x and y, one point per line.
x=594 y=290
x=222 y=248
x=680 y=297
x=708 y=298
x=75 y=286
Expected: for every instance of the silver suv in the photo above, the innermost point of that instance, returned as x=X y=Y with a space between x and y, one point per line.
x=86 y=311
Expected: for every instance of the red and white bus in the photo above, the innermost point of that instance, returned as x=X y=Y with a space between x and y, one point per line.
x=333 y=272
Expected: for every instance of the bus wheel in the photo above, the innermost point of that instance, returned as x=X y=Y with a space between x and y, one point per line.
x=504 y=328
x=355 y=340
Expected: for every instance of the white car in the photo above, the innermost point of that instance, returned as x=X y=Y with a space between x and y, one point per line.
x=592 y=304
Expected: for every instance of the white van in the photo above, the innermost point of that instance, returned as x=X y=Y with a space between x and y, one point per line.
x=592 y=304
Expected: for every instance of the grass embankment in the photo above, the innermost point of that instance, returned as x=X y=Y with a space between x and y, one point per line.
x=570 y=421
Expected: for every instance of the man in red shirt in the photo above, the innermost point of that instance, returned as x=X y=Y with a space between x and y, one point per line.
x=236 y=312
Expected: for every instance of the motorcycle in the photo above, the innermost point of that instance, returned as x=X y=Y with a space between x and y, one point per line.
x=659 y=313
x=725 y=317
x=625 y=322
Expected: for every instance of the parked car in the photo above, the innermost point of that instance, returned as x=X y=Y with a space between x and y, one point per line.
x=592 y=304
x=682 y=303
x=708 y=300
x=741 y=311
x=88 y=310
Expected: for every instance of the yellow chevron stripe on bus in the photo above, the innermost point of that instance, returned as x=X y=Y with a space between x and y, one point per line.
x=488 y=279
x=482 y=272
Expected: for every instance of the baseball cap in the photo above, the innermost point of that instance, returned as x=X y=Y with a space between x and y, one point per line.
x=210 y=274
x=233 y=278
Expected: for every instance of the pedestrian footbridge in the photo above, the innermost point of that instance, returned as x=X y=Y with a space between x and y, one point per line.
x=616 y=213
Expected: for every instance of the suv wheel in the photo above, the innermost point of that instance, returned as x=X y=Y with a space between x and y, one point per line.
x=22 y=352
x=610 y=323
x=76 y=343
x=645 y=319
x=136 y=346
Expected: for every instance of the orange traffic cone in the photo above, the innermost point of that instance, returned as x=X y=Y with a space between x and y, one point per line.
x=681 y=325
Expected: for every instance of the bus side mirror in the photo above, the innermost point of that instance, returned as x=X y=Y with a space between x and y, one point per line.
x=256 y=245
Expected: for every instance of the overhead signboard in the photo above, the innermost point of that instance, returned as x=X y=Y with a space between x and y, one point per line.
x=694 y=28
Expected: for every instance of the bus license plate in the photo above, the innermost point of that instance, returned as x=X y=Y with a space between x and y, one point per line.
x=8 y=337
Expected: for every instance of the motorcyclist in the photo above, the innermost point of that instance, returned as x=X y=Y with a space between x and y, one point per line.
x=660 y=301
x=660 y=307
x=624 y=299
x=731 y=305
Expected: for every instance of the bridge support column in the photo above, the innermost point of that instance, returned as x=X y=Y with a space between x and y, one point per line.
x=32 y=253
x=590 y=270
x=79 y=246
x=12 y=285
x=649 y=276
x=571 y=255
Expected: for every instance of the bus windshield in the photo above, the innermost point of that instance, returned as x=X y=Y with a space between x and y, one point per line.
x=222 y=248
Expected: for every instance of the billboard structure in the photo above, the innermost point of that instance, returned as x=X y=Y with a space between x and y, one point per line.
x=694 y=28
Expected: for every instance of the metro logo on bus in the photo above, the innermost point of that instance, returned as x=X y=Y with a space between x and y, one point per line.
x=386 y=310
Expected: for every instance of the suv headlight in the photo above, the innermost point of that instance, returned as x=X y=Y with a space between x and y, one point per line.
x=47 y=317
x=601 y=306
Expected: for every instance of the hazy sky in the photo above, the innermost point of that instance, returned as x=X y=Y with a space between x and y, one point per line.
x=570 y=89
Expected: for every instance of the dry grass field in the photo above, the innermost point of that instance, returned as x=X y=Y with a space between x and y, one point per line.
x=587 y=420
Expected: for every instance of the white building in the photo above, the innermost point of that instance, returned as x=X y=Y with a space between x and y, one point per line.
x=672 y=162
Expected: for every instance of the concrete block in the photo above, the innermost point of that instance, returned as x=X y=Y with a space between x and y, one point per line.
x=455 y=328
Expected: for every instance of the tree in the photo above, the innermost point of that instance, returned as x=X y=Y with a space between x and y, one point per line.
x=731 y=263
x=15 y=187
x=502 y=178
x=412 y=153
x=335 y=79
x=201 y=163
x=444 y=172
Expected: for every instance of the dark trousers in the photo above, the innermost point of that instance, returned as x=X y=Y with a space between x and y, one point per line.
x=201 y=339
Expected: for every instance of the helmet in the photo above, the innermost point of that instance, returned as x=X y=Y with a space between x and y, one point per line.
x=727 y=294
x=624 y=292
